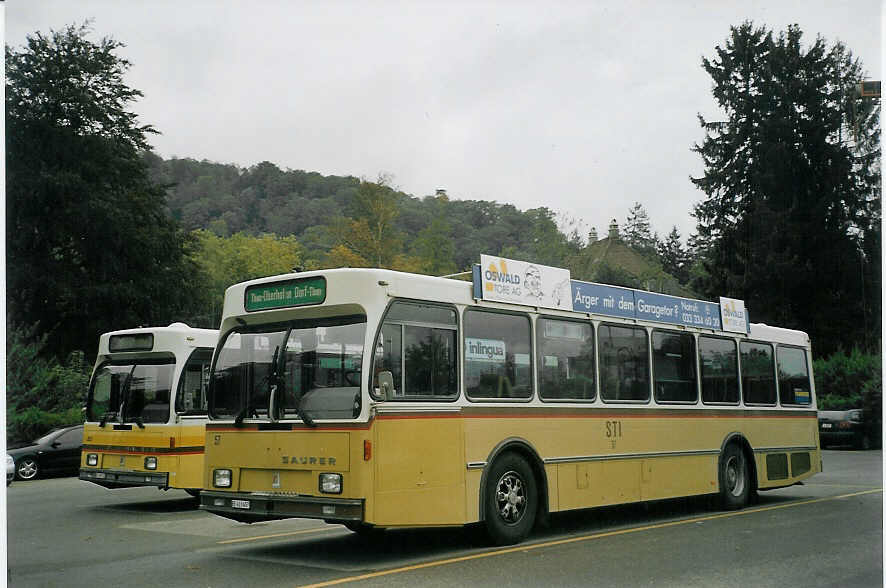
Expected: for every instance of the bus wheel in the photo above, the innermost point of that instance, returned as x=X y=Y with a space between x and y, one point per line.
x=511 y=500
x=735 y=483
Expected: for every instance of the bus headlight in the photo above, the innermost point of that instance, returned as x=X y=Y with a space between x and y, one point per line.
x=330 y=483
x=221 y=478
x=151 y=463
x=92 y=459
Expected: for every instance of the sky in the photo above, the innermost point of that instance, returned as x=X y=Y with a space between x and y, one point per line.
x=582 y=107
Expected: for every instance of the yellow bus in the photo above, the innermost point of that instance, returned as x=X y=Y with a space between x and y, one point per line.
x=146 y=408
x=381 y=399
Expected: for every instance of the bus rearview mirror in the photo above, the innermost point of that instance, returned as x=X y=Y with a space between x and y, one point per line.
x=386 y=385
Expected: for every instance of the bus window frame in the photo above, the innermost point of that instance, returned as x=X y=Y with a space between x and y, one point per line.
x=156 y=358
x=772 y=346
x=649 y=390
x=533 y=392
x=695 y=360
x=457 y=328
x=538 y=367
x=255 y=328
x=813 y=395
x=734 y=341
x=179 y=389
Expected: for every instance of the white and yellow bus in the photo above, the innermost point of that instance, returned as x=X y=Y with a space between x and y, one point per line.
x=380 y=399
x=146 y=408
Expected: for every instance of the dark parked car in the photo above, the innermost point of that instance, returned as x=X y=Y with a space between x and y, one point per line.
x=847 y=427
x=56 y=452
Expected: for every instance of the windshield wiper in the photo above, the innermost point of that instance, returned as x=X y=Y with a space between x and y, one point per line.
x=124 y=396
x=303 y=413
x=277 y=389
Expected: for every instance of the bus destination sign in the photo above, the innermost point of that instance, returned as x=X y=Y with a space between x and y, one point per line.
x=297 y=292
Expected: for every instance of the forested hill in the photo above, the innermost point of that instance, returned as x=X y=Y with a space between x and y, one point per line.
x=430 y=233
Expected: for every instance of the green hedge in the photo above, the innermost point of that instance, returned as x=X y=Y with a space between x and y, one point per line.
x=844 y=381
x=41 y=393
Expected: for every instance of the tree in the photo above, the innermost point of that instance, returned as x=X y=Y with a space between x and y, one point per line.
x=433 y=245
x=41 y=392
x=90 y=244
x=369 y=238
x=240 y=257
x=637 y=231
x=791 y=185
x=674 y=258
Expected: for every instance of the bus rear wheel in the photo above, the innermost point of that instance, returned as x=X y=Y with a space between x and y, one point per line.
x=511 y=500
x=735 y=482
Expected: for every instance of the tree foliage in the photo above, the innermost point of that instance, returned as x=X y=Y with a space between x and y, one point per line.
x=675 y=259
x=228 y=260
x=637 y=230
x=790 y=186
x=848 y=380
x=92 y=244
x=370 y=236
x=41 y=393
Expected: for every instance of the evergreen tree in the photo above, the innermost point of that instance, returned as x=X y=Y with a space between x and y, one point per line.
x=637 y=231
x=790 y=185
x=674 y=258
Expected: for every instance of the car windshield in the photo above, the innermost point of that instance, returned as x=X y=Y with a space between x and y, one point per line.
x=302 y=369
x=131 y=392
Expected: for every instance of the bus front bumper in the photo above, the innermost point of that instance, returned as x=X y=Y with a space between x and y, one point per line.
x=124 y=479
x=251 y=507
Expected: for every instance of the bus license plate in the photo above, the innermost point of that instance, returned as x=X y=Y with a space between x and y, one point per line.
x=240 y=504
x=826 y=425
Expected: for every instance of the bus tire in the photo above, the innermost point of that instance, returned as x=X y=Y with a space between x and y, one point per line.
x=511 y=499
x=734 y=475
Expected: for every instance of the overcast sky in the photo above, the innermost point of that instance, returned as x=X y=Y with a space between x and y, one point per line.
x=583 y=107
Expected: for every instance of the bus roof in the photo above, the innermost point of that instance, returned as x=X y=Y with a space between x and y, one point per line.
x=170 y=338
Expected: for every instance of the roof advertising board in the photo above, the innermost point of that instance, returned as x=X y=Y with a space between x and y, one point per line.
x=519 y=282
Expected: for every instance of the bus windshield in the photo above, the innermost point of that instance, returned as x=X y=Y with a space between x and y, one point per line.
x=301 y=369
x=131 y=392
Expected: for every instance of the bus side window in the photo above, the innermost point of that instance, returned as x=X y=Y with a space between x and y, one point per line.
x=624 y=363
x=190 y=398
x=757 y=373
x=565 y=360
x=673 y=366
x=497 y=355
x=418 y=345
x=793 y=376
x=719 y=370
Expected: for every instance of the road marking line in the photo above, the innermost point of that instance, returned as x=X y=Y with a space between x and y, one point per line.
x=533 y=546
x=275 y=535
x=828 y=485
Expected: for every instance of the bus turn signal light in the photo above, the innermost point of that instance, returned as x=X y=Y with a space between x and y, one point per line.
x=367 y=450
